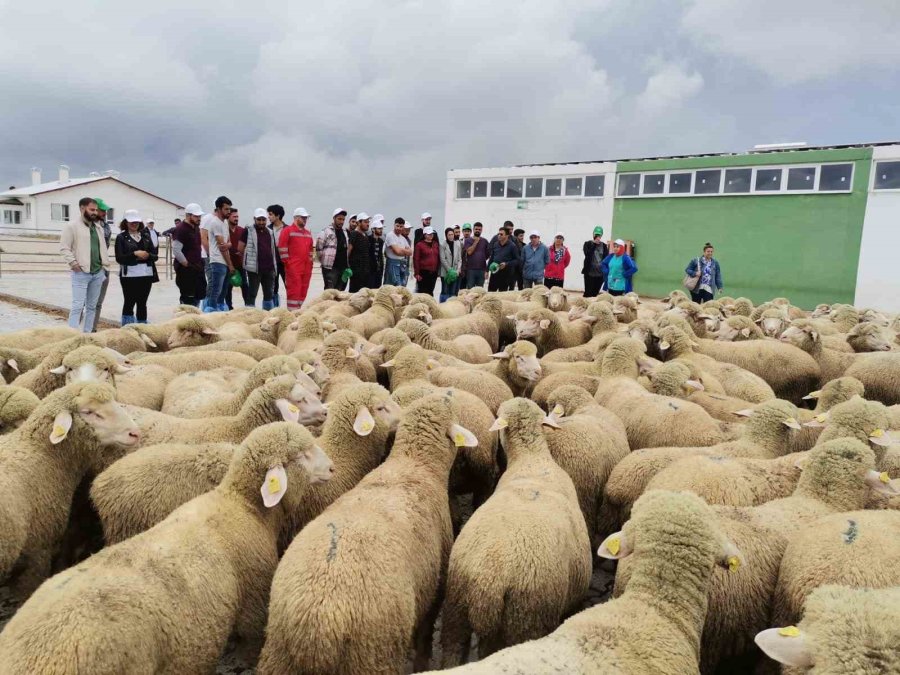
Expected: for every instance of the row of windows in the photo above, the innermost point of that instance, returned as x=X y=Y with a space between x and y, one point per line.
x=755 y=180
x=531 y=188
x=59 y=212
x=12 y=217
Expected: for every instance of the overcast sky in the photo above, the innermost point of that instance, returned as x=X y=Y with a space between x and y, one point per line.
x=366 y=105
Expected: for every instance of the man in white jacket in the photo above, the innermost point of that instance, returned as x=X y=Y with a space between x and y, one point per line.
x=81 y=244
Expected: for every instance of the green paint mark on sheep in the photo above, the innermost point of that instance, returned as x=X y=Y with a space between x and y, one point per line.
x=332 y=550
x=852 y=532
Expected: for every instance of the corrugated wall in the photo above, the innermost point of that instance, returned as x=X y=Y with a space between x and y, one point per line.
x=804 y=247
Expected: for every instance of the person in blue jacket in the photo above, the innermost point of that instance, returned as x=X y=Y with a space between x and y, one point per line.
x=708 y=274
x=618 y=268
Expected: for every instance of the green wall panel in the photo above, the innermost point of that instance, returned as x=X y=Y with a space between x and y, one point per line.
x=804 y=247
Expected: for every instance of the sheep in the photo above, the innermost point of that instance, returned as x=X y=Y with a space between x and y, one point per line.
x=143 y=488
x=14 y=362
x=791 y=372
x=89 y=360
x=490 y=388
x=469 y=348
x=169 y=598
x=587 y=442
x=517 y=366
x=40 y=377
x=557 y=300
x=38 y=479
x=452 y=308
x=379 y=315
x=484 y=320
x=532 y=522
x=650 y=420
x=694 y=315
x=844 y=630
x=16 y=405
x=255 y=349
x=867 y=337
x=281 y=398
x=32 y=338
x=197 y=359
x=418 y=311
x=143 y=385
x=360 y=583
x=192 y=331
x=305 y=332
x=836 y=478
x=880 y=375
x=741 y=307
x=737 y=329
x=340 y=354
x=155 y=336
x=832 y=364
x=349 y=305
x=603 y=326
x=311 y=363
x=866 y=421
x=548 y=332
x=773 y=321
x=654 y=627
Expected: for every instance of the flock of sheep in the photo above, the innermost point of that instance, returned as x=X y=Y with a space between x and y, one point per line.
x=322 y=488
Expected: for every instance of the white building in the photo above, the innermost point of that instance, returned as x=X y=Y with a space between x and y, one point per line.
x=568 y=198
x=42 y=208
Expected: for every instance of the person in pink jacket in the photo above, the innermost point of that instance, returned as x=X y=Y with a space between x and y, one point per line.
x=555 y=272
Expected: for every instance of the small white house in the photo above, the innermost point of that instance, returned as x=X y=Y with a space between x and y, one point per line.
x=42 y=208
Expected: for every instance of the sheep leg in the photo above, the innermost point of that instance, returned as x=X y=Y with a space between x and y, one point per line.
x=456 y=631
x=423 y=638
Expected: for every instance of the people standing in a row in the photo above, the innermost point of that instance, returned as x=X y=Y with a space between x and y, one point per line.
x=136 y=255
x=296 y=252
x=503 y=261
x=81 y=246
x=595 y=252
x=555 y=272
x=618 y=269
x=706 y=275
x=331 y=248
x=258 y=249
x=535 y=258
x=451 y=264
x=426 y=261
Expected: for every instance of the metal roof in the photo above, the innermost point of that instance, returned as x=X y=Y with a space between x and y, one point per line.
x=55 y=185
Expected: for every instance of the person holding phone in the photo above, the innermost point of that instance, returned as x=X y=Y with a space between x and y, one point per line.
x=476 y=257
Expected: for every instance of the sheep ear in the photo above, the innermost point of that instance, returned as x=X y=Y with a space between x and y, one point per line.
x=818 y=421
x=59 y=370
x=881 y=437
x=274 y=486
x=615 y=547
x=746 y=412
x=646 y=367
x=813 y=395
x=499 y=424
x=694 y=384
x=388 y=364
x=120 y=369
x=791 y=423
x=544 y=324
x=462 y=437
x=588 y=319
x=882 y=483
x=745 y=332
x=13 y=364
x=500 y=355
x=558 y=411
x=551 y=421
x=307 y=368
x=147 y=341
x=210 y=331
x=351 y=353
x=432 y=364
x=289 y=412
x=664 y=345
x=377 y=350
x=801 y=462
x=731 y=558
x=511 y=317
x=785 y=645
x=61 y=426
x=364 y=422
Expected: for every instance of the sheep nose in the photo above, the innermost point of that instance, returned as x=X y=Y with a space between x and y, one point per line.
x=136 y=434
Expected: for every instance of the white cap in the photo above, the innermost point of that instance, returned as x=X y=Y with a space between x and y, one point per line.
x=150 y=220
x=339 y=210
x=377 y=224
x=362 y=216
x=378 y=216
x=534 y=233
x=426 y=215
x=619 y=242
x=560 y=235
x=428 y=230
x=260 y=213
x=132 y=216
x=193 y=210
x=301 y=212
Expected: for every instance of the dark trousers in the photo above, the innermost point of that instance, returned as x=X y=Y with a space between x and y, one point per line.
x=191 y=284
x=332 y=277
x=520 y=281
x=244 y=288
x=375 y=278
x=359 y=280
x=592 y=286
x=262 y=280
x=700 y=296
x=135 y=292
x=550 y=283
x=502 y=280
x=612 y=292
x=427 y=282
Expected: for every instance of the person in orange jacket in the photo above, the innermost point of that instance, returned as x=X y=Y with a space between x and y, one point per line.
x=296 y=249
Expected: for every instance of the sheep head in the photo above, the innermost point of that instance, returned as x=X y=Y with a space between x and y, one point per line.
x=567 y=400
x=530 y=324
x=839 y=472
x=772 y=322
x=866 y=421
x=557 y=300
x=674 y=379
x=192 y=331
x=431 y=430
x=867 y=337
x=624 y=357
x=292 y=400
x=418 y=311
x=802 y=334
x=519 y=421
x=90 y=363
x=522 y=360
x=87 y=410
x=365 y=409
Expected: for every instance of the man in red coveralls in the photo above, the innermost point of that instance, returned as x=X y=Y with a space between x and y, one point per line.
x=295 y=247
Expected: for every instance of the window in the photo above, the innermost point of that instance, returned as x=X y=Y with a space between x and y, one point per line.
x=887 y=175
x=463 y=189
x=59 y=212
x=514 y=188
x=679 y=183
x=768 y=180
x=498 y=188
x=479 y=188
x=7 y=216
x=707 y=182
x=833 y=177
x=629 y=184
x=594 y=186
x=573 y=187
x=802 y=178
x=654 y=183
x=28 y=212
x=553 y=188
x=737 y=180
x=534 y=187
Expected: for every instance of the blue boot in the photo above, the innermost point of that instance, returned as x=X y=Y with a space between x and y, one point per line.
x=127 y=319
x=267 y=305
x=139 y=321
x=222 y=308
x=208 y=309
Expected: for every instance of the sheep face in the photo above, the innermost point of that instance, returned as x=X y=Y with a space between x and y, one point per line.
x=800 y=336
x=528 y=326
x=557 y=301
x=772 y=326
x=302 y=406
x=192 y=337
x=866 y=337
x=821 y=310
x=108 y=421
x=386 y=412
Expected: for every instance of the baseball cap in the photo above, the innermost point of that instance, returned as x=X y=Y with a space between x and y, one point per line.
x=339 y=211
x=193 y=210
x=260 y=213
x=598 y=231
x=101 y=204
x=362 y=216
x=301 y=212
x=534 y=233
x=150 y=220
x=378 y=216
x=619 y=242
x=426 y=215
x=377 y=224
x=132 y=216
x=428 y=230
x=467 y=227
x=560 y=235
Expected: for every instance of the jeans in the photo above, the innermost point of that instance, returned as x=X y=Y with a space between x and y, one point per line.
x=530 y=283
x=263 y=280
x=135 y=292
x=394 y=272
x=449 y=290
x=215 y=291
x=100 y=303
x=85 y=292
x=474 y=278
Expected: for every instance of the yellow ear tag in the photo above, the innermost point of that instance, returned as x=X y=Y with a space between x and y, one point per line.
x=878 y=433
x=459 y=440
x=821 y=418
x=294 y=409
x=558 y=409
x=884 y=478
x=733 y=563
x=789 y=631
x=613 y=546
x=366 y=426
x=274 y=485
x=58 y=430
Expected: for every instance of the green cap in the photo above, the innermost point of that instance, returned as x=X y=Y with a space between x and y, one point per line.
x=101 y=204
x=467 y=226
x=598 y=231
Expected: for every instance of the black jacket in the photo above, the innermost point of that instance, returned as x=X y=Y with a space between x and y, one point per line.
x=589 y=247
x=125 y=250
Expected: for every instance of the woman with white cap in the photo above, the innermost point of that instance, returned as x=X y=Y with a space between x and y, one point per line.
x=618 y=268
x=136 y=256
x=426 y=261
x=555 y=272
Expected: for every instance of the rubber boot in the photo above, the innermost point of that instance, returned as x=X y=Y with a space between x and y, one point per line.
x=139 y=321
x=268 y=304
x=127 y=319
